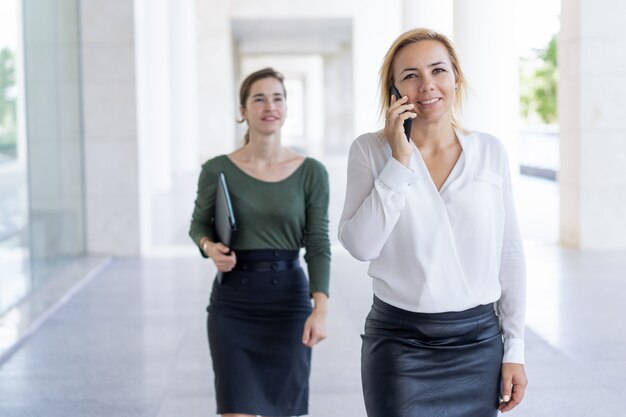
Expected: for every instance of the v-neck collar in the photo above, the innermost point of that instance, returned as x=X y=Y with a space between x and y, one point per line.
x=418 y=161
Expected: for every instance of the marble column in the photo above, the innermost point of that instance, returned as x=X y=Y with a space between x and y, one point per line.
x=109 y=111
x=484 y=34
x=217 y=104
x=53 y=125
x=592 y=105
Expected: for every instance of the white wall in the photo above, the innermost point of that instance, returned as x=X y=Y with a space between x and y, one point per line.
x=436 y=15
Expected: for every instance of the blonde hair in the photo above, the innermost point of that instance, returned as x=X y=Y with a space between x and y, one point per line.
x=408 y=38
x=246 y=86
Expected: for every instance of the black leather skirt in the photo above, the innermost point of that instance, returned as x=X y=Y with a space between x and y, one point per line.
x=421 y=365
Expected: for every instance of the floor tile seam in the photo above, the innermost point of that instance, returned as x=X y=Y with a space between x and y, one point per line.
x=54 y=308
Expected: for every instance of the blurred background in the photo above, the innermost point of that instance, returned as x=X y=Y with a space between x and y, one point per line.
x=108 y=109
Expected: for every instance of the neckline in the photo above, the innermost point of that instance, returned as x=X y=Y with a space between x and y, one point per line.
x=263 y=181
x=449 y=179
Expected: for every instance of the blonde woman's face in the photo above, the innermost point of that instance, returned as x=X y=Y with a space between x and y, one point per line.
x=423 y=72
x=266 y=108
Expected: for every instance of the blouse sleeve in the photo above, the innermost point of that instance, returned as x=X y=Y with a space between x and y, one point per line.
x=316 y=242
x=373 y=203
x=203 y=212
x=511 y=306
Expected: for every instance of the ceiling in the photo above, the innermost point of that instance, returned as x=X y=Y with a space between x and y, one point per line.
x=291 y=35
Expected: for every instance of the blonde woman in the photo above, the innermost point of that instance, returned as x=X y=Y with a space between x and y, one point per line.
x=434 y=215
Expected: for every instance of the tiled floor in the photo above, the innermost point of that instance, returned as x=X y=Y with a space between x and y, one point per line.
x=132 y=341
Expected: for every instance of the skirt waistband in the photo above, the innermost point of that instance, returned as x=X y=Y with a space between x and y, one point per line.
x=267 y=255
x=470 y=314
x=260 y=266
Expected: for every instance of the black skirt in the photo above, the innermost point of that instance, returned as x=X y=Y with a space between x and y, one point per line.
x=255 y=324
x=421 y=365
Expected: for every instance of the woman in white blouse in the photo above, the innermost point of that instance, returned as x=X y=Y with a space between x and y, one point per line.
x=434 y=215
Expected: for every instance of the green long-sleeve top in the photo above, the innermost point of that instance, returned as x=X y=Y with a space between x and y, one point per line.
x=287 y=214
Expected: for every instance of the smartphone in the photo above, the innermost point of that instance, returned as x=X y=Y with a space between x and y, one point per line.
x=393 y=91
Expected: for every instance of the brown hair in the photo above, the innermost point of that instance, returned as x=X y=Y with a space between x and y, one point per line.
x=246 y=85
x=407 y=38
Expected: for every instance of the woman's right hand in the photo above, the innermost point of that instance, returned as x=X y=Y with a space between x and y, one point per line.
x=398 y=112
x=218 y=252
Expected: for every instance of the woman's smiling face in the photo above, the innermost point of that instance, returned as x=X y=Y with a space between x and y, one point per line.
x=266 y=108
x=423 y=72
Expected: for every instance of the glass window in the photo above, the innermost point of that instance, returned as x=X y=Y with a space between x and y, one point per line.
x=41 y=173
x=14 y=253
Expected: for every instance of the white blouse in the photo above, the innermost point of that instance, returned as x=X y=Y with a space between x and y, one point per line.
x=438 y=251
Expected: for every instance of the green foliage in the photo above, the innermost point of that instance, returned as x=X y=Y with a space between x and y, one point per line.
x=8 y=114
x=538 y=85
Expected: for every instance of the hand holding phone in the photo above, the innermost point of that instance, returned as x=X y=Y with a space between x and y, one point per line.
x=393 y=91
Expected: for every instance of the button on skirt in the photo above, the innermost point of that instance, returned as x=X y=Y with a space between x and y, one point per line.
x=421 y=365
x=255 y=324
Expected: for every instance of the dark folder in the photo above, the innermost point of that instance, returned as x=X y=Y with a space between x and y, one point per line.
x=225 y=223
